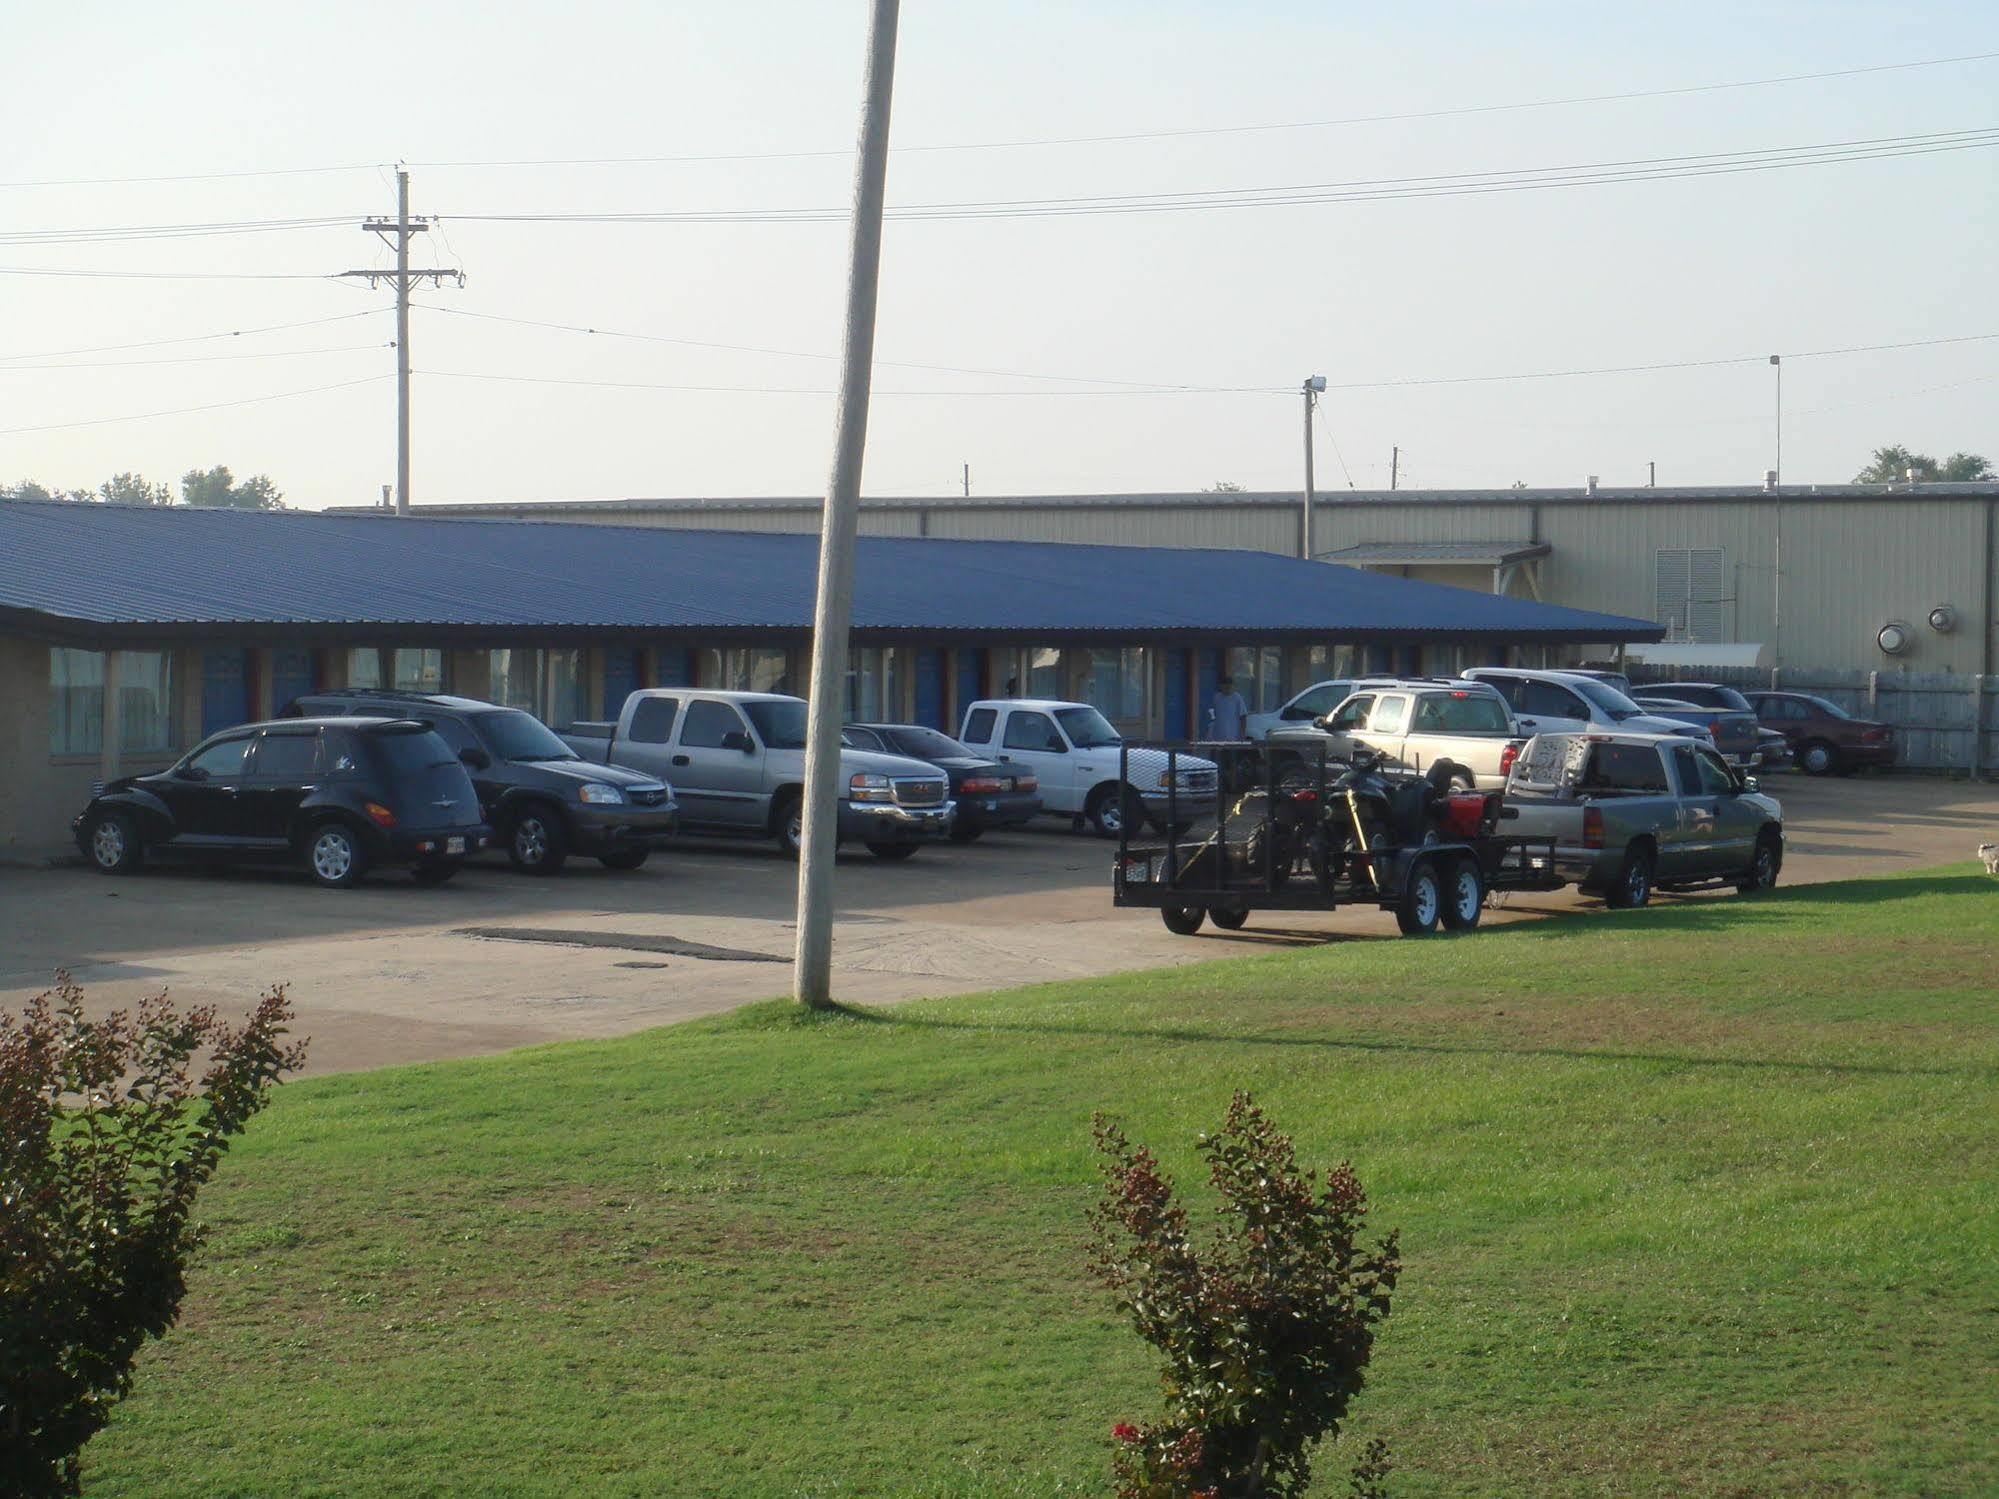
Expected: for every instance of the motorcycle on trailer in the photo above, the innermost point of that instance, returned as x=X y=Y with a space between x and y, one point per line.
x=1286 y=829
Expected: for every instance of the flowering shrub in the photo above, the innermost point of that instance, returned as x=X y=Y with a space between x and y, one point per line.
x=1264 y=1334
x=105 y=1137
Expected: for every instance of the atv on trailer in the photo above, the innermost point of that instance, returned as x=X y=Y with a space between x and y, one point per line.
x=1281 y=833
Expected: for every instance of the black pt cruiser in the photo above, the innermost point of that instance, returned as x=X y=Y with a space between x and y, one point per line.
x=337 y=795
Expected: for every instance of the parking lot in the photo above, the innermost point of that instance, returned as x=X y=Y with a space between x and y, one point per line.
x=392 y=972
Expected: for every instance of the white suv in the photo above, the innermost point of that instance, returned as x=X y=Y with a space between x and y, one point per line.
x=1568 y=702
x=1075 y=752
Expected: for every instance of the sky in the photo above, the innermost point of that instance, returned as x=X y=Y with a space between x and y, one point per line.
x=1065 y=326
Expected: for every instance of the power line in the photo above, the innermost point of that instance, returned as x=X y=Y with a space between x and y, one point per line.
x=1210 y=130
x=798 y=390
x=141 y=416
x=1363 y=190
x=126 y=364
x=42 y=270
x=124 y=233
x=1180 y=133
x=696 y=343
x=192 y=338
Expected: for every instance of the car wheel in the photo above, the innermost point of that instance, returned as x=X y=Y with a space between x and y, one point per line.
x=1464 y=896
x=1818 y=758
x=1229 y=918
x=537 y=842
x=334 y=856
x=1632 y=888
x=624 y=858
x=1763 y=866
x=1422 y=903
x=894 y=853
x=1108 y=810
x=788 y=824
x=962 y=834
x=1182 y=921
x=114 y=844
x=434 y=871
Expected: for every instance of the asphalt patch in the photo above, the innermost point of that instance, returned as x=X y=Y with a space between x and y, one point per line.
x=624 y=941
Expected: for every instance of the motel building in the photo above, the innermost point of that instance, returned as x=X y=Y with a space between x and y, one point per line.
x=128 y=634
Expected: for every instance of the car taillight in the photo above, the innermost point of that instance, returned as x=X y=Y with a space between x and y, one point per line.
x=379 y=814
x=1874 y=735
x=1713 y=727
x=1592 y=827
x=1507 y=756
x=979 y=783
x=1026 y=783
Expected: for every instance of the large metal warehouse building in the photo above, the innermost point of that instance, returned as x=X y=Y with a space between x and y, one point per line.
x=1808 y=574
x=127 y=633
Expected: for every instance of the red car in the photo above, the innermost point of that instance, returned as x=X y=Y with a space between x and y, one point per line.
x=1823 y=736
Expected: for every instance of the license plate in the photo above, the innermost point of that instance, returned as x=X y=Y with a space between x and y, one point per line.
x=454 y=845
x=992 y=806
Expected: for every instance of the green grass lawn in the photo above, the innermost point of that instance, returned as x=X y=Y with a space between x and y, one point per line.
x=1699 y=1199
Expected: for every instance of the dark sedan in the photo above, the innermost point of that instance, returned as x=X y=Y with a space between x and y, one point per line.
x=989 y=793
x=1823 y=736
x=337 y=795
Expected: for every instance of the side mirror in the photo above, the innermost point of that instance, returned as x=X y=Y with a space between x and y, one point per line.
x=736 y=739
x=1747 y=783
x=475 y=757
x=190 y=773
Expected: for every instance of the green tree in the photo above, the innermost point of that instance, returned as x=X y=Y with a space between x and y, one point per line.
x=218 y=487
x=1894 y=465
x=131 y=489
x=28 y=489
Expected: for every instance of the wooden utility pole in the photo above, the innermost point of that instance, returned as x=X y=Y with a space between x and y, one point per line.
x=1395 y=468
x=812 y=974
x=401 y=227
x=1311 y=388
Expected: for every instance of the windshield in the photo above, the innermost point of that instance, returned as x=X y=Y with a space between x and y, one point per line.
x=927 y=744
x=513 y=735
x=1830 y=707
x=1087 y=728
x=779 y=722
x=1614 y=703
x=1732 y=700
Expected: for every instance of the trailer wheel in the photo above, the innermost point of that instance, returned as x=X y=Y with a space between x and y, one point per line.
x=1229 y=918
x=1182 y=921
x=1464 y=896
x=1422 y=903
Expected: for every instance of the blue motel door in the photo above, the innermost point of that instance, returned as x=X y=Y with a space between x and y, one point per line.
x=225 y=690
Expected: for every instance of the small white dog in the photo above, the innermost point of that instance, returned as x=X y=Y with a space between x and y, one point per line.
x=1989 y=852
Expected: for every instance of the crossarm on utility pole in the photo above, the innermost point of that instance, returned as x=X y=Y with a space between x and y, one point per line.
x=812 y=978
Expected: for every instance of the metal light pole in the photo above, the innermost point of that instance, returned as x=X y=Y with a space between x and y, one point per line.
x=1777 y=541
x=1312 y=388
x=812 y=974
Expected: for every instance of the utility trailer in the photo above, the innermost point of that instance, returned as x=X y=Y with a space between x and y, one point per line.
x=1288 y=829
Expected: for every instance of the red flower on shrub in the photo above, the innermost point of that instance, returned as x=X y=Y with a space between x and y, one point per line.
x=1124 y=1431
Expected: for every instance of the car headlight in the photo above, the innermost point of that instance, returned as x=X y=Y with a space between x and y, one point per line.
x=864 y=787
x=599 y=794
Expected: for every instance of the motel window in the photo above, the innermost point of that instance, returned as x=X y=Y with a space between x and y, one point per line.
x=76 y=701
x=513 y=679
x=364 y=667
x=756 y=669
x=566 y=684
x=1259 y=675
x=145 y=701
x=1116 y=685
x=875 y=679
x=419 y=670
x=1323 y=663
x=1044 y=672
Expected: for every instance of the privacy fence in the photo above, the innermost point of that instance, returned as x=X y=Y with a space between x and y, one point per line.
x=1942 y=721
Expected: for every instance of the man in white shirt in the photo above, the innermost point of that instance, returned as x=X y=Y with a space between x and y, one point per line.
x=1228 y=713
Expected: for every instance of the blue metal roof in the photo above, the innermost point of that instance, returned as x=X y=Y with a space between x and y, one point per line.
x=81 y=569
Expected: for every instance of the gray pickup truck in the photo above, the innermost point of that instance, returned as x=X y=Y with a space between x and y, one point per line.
x=737 y=760
x=1630 y=813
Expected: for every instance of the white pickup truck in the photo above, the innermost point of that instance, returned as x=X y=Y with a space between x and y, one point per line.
x=1414 y=725
x=1075 y=753
x=738 y=765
